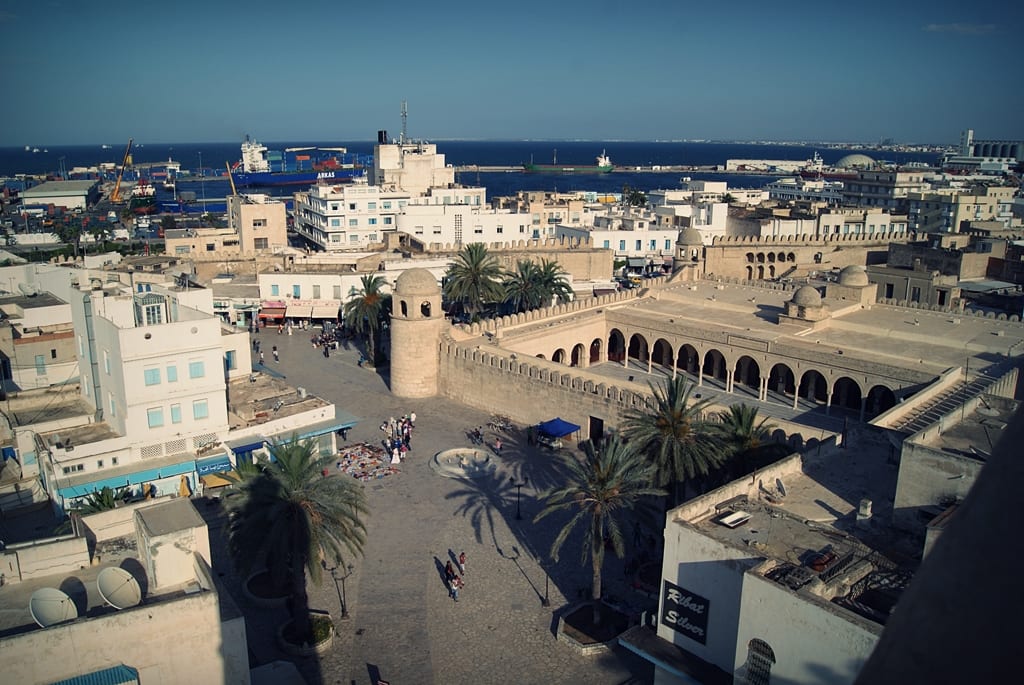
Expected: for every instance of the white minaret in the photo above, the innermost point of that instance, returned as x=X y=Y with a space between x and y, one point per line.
x=416 y=319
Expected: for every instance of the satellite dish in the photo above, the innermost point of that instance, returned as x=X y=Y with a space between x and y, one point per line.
x=780 y=486
x=27 y=289
x=49 y=606
x=118 y=588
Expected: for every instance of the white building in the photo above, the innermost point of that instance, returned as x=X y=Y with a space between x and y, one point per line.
x=777 y=577
x=798 y=189
x=412 y=167
x=36 y=341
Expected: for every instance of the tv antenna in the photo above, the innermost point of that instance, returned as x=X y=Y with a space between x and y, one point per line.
x=405 y=120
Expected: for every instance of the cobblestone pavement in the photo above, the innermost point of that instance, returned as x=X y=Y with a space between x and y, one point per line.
x=403 y=626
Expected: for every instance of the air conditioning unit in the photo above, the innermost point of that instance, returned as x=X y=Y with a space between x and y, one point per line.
x=302 y=393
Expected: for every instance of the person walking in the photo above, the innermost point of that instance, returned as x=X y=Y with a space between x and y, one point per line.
x=462 y=563
x=497 y=446
x=412 y=419
x=456 y=586
x=277 y=357
x=261 y=358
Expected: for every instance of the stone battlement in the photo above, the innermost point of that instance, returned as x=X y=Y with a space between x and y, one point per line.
x=809 y=240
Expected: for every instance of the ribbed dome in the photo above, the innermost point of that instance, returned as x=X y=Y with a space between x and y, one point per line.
x=689 y=236
x=806 y=296
x=853 y=275
x=855 y=160
x=417 y=282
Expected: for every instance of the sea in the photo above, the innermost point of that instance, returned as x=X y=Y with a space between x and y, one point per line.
x=208 y=160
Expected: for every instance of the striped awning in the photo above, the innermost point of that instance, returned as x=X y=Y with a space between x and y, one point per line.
x=323 y=311
x=298 y=311
x=272 y=313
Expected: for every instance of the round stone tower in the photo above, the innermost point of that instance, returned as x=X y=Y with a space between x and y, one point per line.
x=416 y=319
x=689 y=255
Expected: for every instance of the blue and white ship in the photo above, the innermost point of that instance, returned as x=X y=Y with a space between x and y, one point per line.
x=261 y=167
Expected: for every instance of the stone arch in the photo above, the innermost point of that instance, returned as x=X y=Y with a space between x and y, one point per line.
x=771 y=271
x=781 y=257
x=688 y=359
x=771 y=257
x=714 y=365
x=661 y=353
x=880 y=399
x=747 y=372
x=595 y=351
x=790 y=257
x=750 y=273
x=846 y=393
x=813 y=386
x=541 y=356
x=782 y=380
x=750 y=257
x=559 y=356
x=638 y=348
x=616 y=346
x=578 y=359
x=760 y=257
x=760 y=272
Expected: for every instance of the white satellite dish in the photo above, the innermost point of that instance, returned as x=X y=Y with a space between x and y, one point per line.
x=49 y=606
x=118 y=588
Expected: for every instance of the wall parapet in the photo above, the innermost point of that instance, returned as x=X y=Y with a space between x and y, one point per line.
x=805 y=240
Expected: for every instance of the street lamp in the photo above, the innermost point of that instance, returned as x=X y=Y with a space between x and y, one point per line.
x=545 y=602
x=519 y=487
x=342 y=597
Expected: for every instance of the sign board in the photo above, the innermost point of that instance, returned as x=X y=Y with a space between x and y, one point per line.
x=685 y=612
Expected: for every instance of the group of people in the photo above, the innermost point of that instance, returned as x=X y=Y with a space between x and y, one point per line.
x=452 y=579
x=398 y=436
x=257 y=347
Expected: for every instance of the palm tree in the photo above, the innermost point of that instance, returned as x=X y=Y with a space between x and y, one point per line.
x=742 y=435
x=674 y=435
x=553 y=281
x=522 y=286
x=104 y=499
x=474 y=278
x=601 y=488
x=290 y=517
x=365 y=312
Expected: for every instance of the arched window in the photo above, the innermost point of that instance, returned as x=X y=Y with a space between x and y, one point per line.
x=760 y=659
x=405 y=313
x=424 y=309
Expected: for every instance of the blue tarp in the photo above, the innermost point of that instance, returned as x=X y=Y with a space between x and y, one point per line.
x=118 y=675
x=557 y=428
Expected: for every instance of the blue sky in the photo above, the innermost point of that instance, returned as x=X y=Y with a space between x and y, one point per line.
x=190 y=71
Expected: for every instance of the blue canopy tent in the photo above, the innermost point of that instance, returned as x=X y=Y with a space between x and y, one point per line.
x=557 y=428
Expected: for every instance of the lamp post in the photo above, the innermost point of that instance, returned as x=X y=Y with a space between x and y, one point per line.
x=545 y=602
x=343 y=597
x=519 y=487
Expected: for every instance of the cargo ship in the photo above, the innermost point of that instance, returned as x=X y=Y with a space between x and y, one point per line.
x=603 y=166
x=260 y=167
x=143 y=198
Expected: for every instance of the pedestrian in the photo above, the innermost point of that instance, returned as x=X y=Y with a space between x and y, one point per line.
x=261 y=358
x=497 y=444
x=456 y=586
x=412 y=419
x=449 y=572
x=280 y=328
x=462 y=563
x=277 y=357
x=327 y=352
x=254 y=341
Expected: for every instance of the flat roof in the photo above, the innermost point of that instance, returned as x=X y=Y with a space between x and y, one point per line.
x=62 y=188
x=43 y=299
x=171 y=516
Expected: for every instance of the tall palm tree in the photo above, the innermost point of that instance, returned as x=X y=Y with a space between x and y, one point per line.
x=601 y=489
x=522 y=286
x=673 y=434
x=474 y=278
x=553 y=281
x=742 y=435
x=365 y=312
x=290 y=517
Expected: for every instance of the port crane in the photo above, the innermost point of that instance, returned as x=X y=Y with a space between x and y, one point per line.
x=115 y=196
x=231 y=178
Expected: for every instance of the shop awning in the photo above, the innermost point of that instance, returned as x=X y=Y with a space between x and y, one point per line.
x=341 y=420
x=163 y=472
x=272 y=313
x=242 y=445
x=212 y=480
x=298 y=311
x=116 y=675
x=636 y=261
x=557 y=428
x=323 y=311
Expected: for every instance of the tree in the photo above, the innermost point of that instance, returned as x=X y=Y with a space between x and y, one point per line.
x=728 y=198
x=474 y=278
x=289 y=517
x=742 y=435
x=600 y=490
x=522 y=286
x=553 y=281
x=365 y=312
x=104 y=499
x=672 y=433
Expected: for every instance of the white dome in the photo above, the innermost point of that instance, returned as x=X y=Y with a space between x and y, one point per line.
x=855 y=160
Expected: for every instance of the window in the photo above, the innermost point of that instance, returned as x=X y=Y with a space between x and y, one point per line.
x=606 y=244
x=75 y=468
x=113 y=461
x=372 y=221
x=387 y=221
x=353 y=223
x=501 y=229
x=111 y=404
x=386 y=204
x=99 y=463
x=106 y=362
x=230 y=361
x=153 y=314
x=200 y=410
x=639 y=245
x=151 y=376
x=175 y=413
x=352 y=206
x=40 y=365
x=371 y=206
x=196 y=369
x=261 y=243
x=296 y=291
x=336 y=292
x=259 y=223
x=53 y=354
x=335 y=222
x=760 y=659
x=211 y=247
x=275 y=290
x=316 y=292
x=622 y=244
x=155 y=417
x=172 y=374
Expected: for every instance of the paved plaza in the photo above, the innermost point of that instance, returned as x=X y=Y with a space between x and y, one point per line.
x=403 y=626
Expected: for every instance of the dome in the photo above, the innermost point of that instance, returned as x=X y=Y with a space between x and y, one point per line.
x=854 y=161
x=853 y=275
x=417 y=282
x=806 y=296
x=689 y=236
